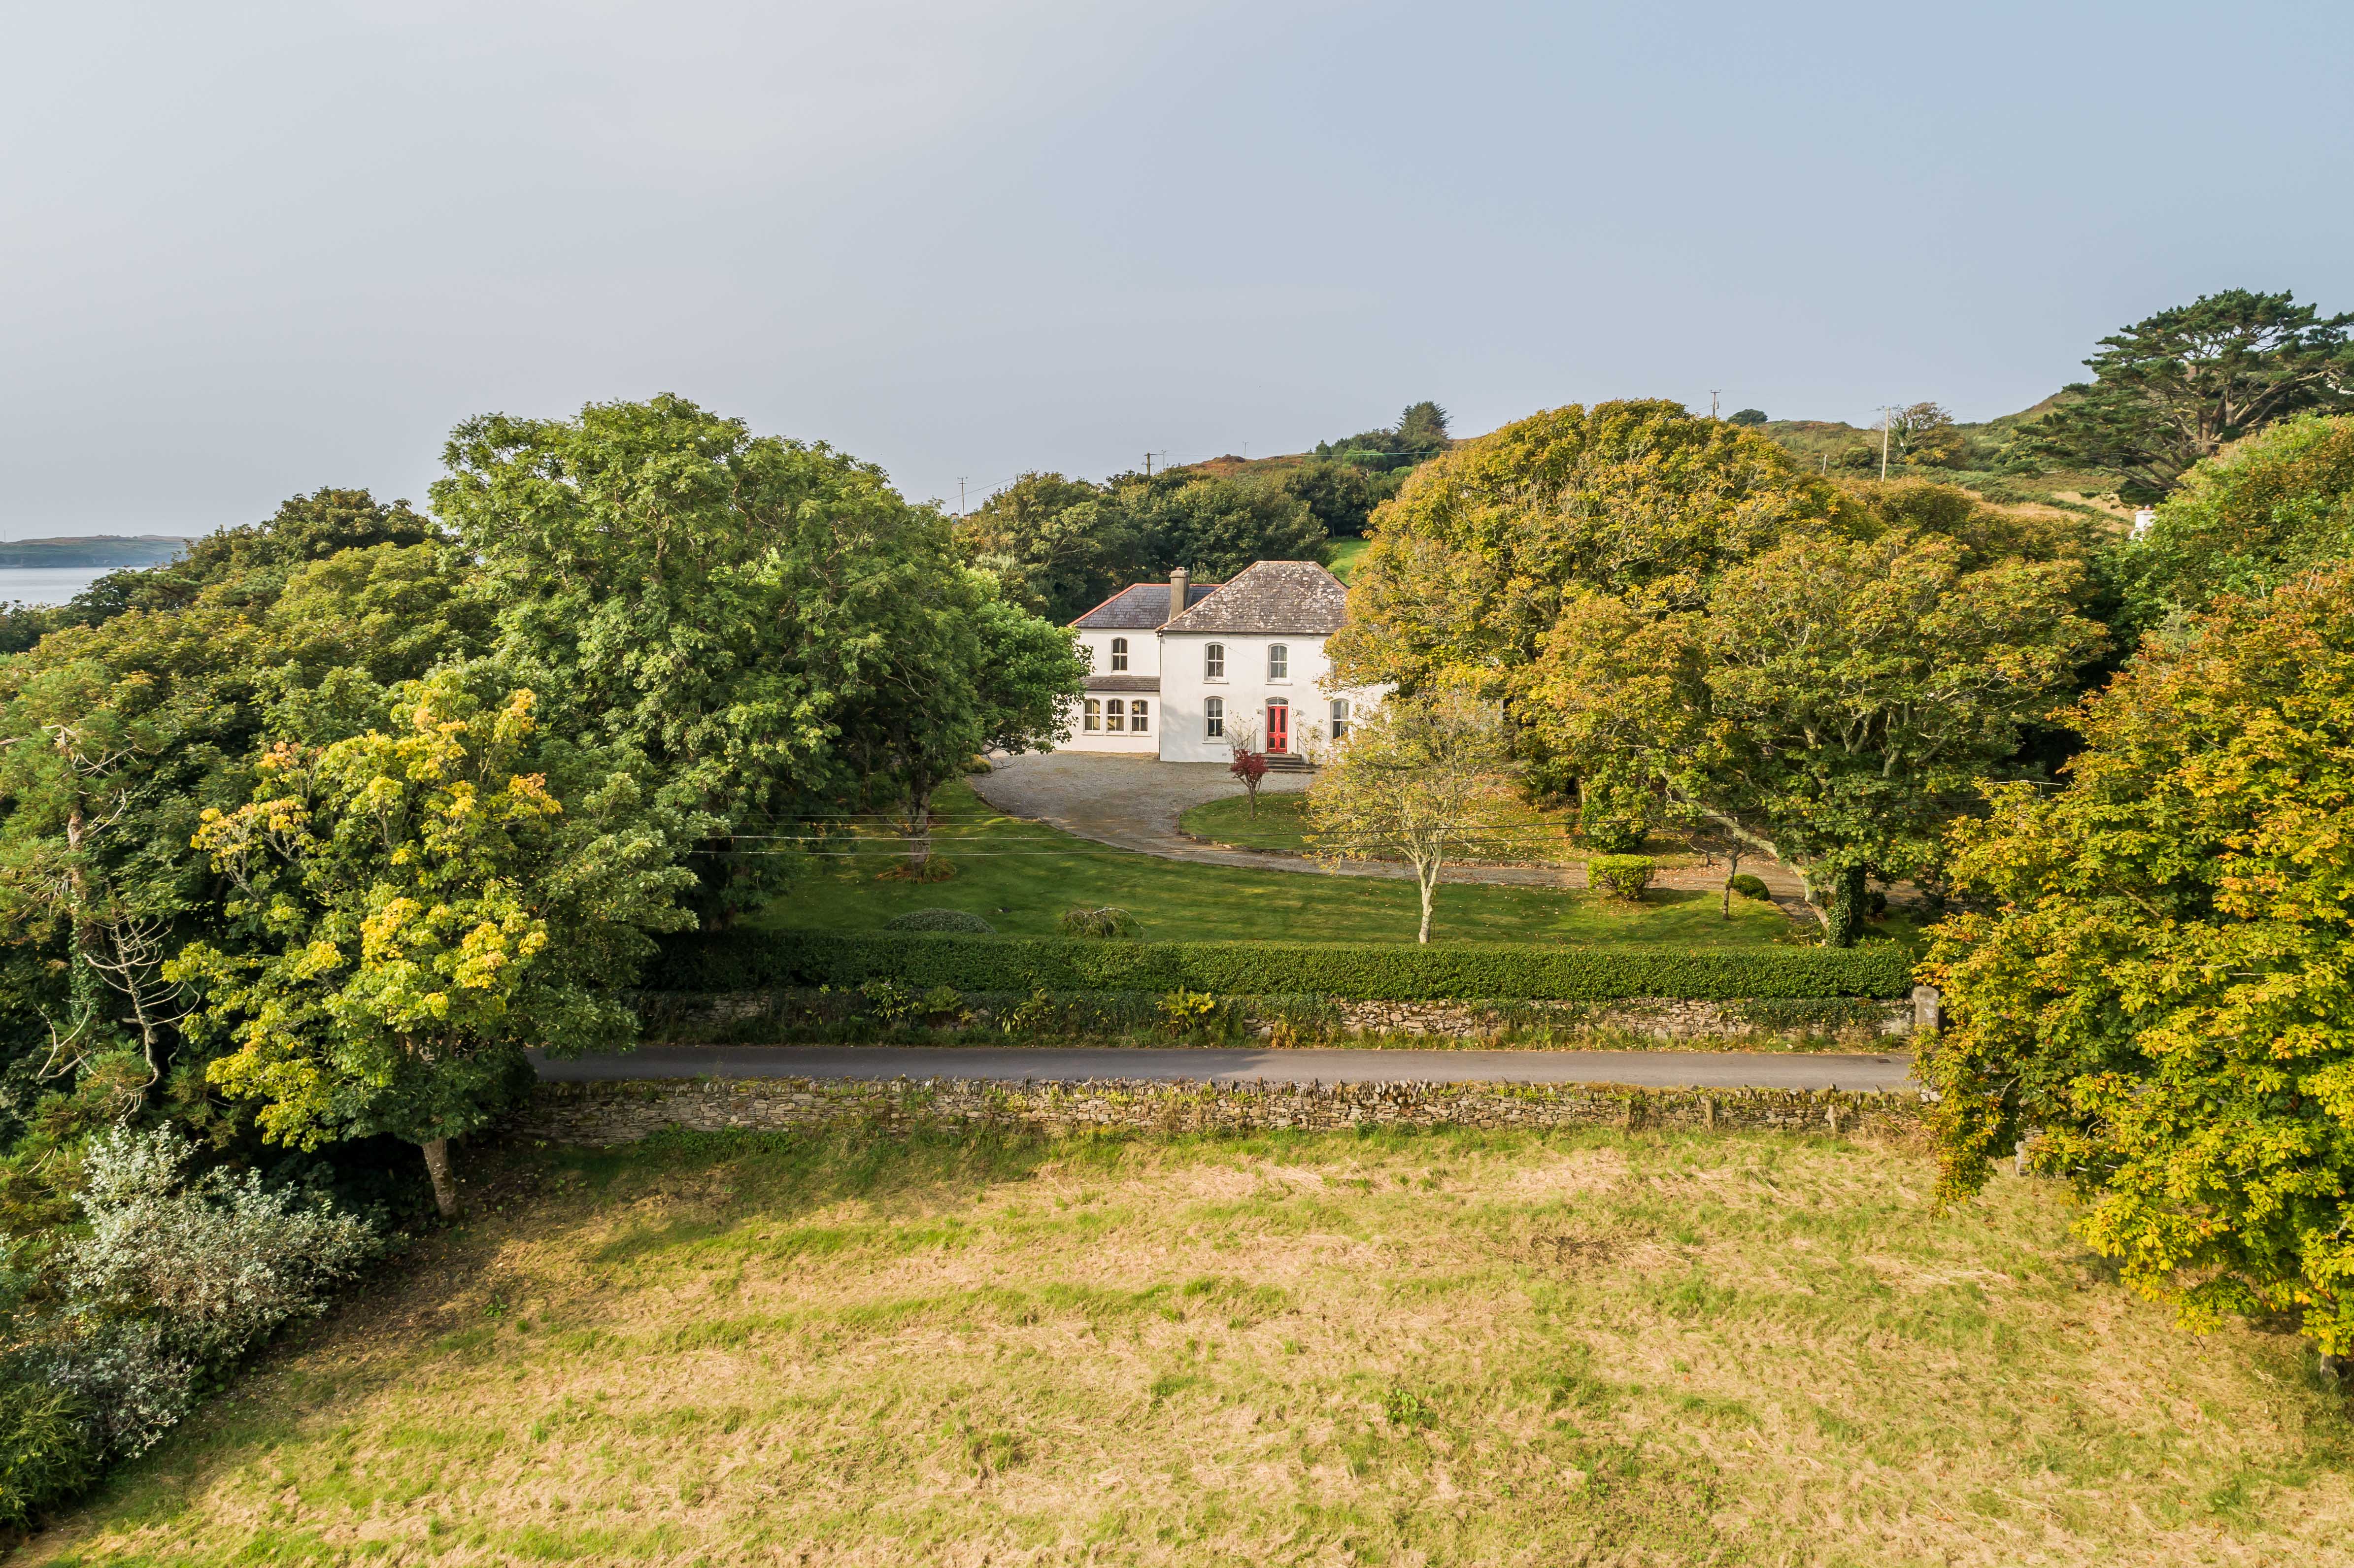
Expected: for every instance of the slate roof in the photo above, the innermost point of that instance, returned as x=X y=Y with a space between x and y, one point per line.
x=1139 y=608
x=1297 y=597
x=1123 y=682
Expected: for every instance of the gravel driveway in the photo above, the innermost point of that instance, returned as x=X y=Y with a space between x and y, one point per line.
x=1133 y=803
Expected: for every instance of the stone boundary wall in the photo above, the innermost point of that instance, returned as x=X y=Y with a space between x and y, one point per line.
x=1659 y=1017
x=602 y=1114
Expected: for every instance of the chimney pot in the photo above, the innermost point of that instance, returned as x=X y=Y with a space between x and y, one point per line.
x=1177 y=579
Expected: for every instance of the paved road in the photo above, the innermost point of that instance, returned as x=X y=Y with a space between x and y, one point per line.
x=1653 y=1069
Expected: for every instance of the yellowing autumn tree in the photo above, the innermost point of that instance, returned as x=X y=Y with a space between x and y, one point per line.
x=417 y=905
x=2161 y=987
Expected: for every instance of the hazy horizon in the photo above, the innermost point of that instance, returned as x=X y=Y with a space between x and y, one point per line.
x=259 y=248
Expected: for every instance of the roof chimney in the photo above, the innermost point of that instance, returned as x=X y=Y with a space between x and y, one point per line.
x=1176 y=592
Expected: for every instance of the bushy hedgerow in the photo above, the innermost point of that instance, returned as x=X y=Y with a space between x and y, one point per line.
x=1749 y=887
x=181 y=1274
x=742 y=960
x=1621 y=877
x=960 y=921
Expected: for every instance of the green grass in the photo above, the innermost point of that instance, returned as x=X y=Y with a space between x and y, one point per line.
x=1021 y=876
x=1525 y=834
x=1444 y=1347
x=1345 y=553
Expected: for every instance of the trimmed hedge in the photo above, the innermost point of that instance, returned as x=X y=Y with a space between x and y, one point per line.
x=940 y=920
x=757 y=960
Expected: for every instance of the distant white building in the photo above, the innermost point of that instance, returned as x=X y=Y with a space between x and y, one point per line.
x=1179 y=670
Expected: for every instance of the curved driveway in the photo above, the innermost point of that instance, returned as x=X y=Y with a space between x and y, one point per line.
x=1888 y=1071
x=1133 y=803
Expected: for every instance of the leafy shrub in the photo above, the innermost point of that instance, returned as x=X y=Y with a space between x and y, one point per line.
x=1188 y=1010
x=47 y=1451
x=179 y=1275
x=1622 y=876
x=215 y=1262
x=741 y=960
x=940 y=1001
x=958 y=920
x=890 y=1001
x=1750 y=886
x=1106 y=924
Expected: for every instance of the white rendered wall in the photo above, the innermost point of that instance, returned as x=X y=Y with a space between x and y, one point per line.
x=1185 y=691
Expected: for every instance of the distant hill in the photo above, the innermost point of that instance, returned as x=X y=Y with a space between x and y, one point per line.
x=95 y=550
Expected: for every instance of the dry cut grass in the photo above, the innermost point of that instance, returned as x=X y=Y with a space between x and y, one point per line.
x=1453 y=1348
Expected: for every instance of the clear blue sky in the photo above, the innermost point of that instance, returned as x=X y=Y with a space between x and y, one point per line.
x=250 y=250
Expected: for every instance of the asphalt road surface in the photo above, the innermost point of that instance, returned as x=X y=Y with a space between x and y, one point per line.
x=1651 y=1069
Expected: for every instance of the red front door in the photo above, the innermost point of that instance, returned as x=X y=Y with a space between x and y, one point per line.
x=1279 y=726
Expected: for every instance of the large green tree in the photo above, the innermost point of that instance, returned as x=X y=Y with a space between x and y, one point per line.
x=2259 y=513
x=2174 y=389
x=969 y=671
x=1471 y=563
x=1058 y=546
x=1833 y=703
x=415 y=906
x=716 y=600
x=2160 y=987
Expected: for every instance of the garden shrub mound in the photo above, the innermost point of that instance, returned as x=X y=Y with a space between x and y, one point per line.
x=1750 y=886
x=760 y=960
x=1100 y=924
x=1622 y=876
x=960 y=921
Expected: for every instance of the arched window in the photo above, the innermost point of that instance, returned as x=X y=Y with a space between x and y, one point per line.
x=1279 y=661
x=1115 y=715
x=1340 y=718
x=1138 y=716
x=1213 y=661
x=1093 y=719
x=1120 y=652
x=1213 y=718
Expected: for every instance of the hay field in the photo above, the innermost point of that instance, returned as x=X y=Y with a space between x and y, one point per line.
x=1453 y=1348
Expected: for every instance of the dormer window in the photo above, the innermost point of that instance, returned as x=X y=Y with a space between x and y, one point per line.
x=1279 y=661
x=1213 y=661
x=1119 y=653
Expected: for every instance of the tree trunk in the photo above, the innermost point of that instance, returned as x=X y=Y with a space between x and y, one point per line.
x=1846 y=914
x=919 y=833
x=1429 y=881
x=445 y=1181
x=1731 y=870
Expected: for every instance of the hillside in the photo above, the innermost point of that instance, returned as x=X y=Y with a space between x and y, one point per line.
x=1381 y=1347
x=1988 y=464
x=96 y=550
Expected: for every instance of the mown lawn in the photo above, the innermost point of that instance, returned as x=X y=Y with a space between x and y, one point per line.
x=1518 y=833
x=1022 y=876
x=1344 y=563
x=1444 y=1347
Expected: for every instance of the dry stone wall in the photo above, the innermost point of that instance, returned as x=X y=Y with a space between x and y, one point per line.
x=1660 y=1018
x=624 y=1112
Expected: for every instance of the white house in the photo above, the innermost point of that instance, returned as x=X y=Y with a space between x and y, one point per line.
x=1180 y=670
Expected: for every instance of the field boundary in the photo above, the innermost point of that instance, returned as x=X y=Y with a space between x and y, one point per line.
x=741 y=960
x=602 y=1114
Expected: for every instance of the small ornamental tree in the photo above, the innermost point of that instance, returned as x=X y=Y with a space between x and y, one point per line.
x=1249 y=766
x=412 y=908
x=1418 y=781
x=2159 y=991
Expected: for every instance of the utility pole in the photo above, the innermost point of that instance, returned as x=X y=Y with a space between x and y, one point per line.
x=961 y=511
x=1712 y=401
x=1148 y=466
x=1886 y=418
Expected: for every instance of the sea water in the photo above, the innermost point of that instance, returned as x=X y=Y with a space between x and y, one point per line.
x=48 y=585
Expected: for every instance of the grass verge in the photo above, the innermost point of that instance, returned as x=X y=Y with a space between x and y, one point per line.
x=1451 y=1347
x=1021 y=876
